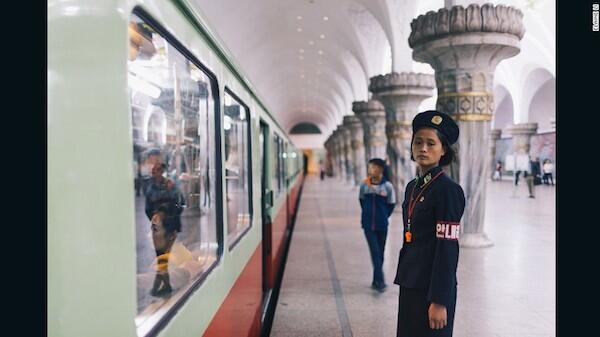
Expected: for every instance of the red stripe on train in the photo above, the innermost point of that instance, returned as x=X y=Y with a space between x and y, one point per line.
x=239 y=315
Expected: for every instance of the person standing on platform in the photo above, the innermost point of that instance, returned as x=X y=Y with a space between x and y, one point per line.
x=498 y=171
x=432 y=209
x=517 y=174
x=548 y=168
x=532 y=176
x=377 y=201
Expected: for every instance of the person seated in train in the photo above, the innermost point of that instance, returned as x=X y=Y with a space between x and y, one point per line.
x=161 y=190
x=174 y=265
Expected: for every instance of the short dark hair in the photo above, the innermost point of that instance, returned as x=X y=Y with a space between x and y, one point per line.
x=377 y=161
x=171 y=221
x=448 y=157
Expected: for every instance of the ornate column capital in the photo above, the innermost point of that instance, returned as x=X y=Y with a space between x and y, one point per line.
x=373 y=106
x=372 y=116
x=402 y=84
x=354 y=124
x=495 y=134
x=522 y=133
x=351 y=120
x=401 y=93
x=464 y=46
x=522 y=129
x=474 y=19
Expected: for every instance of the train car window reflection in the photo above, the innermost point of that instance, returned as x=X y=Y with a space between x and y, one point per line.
x=173 y=128
x=237 y=167
x=276 y=164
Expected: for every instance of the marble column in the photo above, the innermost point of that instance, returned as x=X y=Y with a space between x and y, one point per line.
x=328 y=156
x=521 y=133
x=339 y=155
x=359 y=163
x=401 y=94
x=464 y=46
x=333 y=148
x=495 y=134
x=346 y=144
x=372 y=117
x=342 y=152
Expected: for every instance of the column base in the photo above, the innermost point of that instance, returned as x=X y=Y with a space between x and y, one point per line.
x=475 y=240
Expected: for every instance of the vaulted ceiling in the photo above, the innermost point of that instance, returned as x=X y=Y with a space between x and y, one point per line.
x=310 y=59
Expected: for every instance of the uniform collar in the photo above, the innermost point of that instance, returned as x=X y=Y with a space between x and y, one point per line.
x=422 y=180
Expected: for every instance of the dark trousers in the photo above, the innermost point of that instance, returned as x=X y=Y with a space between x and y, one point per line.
x=376 y=240
x=530 y=185
x=548 y=179
x=413 y=315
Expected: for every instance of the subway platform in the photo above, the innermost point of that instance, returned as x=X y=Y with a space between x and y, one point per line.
x=507 y=290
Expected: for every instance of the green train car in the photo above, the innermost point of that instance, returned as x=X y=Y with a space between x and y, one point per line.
x=171 y=187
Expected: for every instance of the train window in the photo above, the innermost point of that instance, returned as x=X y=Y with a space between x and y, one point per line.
x=173 y=130
x=237 y=167
x=284 y=161
x=276 y=164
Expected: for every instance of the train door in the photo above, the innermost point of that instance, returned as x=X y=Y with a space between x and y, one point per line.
x=266 y=198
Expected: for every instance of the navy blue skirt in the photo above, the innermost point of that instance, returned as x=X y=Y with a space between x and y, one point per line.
x=413 y=317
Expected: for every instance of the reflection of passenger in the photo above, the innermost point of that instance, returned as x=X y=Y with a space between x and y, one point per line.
x=161 y=190
x=175 y=264
x=140 y=41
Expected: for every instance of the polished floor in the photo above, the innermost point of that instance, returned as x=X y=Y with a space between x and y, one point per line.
x=507 y=290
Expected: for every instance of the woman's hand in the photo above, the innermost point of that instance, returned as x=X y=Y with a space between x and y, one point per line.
x=438 y=316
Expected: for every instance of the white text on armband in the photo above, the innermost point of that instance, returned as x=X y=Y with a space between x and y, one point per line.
x=447 y=230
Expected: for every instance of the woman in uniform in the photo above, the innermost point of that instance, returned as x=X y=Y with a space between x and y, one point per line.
x=432 y=208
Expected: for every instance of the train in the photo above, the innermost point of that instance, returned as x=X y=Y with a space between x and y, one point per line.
x=172 y=189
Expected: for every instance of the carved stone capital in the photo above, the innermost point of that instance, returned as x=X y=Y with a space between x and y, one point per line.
x=495 y=134
x=350 y=121
x=372 y=105
x=522 y=129
x=522 y=133
x=403 y=81
x=398 y=130
x=473 y=19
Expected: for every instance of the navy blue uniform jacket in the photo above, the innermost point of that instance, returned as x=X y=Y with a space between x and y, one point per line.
x=429 y=261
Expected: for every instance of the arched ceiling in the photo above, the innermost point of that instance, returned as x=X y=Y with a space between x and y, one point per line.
x=310 y=59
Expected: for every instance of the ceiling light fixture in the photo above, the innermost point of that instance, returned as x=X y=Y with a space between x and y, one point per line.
x=301 y=50
x=322 y=36
x=299 y=29
x=320 y=52
x=325 y=18
x=299 y=17
x=311 y=42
